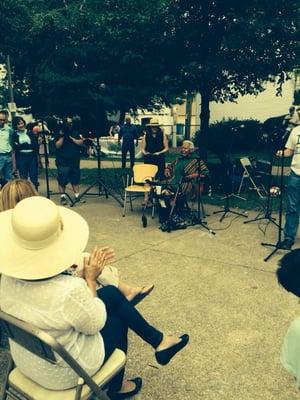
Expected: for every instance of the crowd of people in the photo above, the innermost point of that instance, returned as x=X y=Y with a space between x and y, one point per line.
x=22 y=146
x=45 y=290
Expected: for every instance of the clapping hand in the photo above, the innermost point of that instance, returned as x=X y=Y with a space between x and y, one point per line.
x=95 y=263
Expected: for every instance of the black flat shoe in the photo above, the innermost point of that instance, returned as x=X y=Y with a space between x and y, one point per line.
x=163 y=357
x=140 y=296
x=126 y=395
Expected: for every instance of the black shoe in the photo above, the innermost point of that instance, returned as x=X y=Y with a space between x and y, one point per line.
x=120 y=396
x=163 y=357
x=286 y=244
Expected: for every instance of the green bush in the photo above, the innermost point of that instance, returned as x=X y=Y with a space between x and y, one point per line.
x=233 y=135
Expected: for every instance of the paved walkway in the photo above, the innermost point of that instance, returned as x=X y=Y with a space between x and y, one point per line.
x=216 y=288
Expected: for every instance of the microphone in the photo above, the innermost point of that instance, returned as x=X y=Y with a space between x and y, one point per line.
x=286 y=134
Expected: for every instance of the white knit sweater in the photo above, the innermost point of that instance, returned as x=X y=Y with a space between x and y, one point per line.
x=65 y=308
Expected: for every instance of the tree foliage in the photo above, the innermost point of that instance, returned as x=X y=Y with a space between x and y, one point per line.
x=92 y=56
x=231 y=47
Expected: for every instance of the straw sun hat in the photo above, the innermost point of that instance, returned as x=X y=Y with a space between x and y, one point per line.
x=153 y=122
x=39 y=239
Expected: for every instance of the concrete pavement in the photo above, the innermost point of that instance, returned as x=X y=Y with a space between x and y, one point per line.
x=216 y=288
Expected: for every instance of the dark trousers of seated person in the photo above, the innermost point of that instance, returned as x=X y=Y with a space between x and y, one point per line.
x=128 y=146
x=164 y=212
x=121 y=315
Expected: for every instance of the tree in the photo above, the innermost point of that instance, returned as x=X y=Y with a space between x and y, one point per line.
x=228 y=48
x=89 y=57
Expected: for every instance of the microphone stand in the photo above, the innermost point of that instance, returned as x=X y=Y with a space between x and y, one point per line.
x=268 y=210
x=226 y=209
x=277 y=244
x=99 y=183
x=198 y=219
x=46 y=156
x=229 y=190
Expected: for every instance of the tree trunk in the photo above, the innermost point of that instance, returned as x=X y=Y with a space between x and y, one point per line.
x=188 y=115
x=122 y=116
x=204 y=122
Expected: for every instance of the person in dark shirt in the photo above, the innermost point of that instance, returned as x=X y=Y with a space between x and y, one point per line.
x=67 y=144
x=128 y=134
x=154 y=147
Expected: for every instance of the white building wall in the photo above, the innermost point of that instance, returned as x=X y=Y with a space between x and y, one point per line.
x=260 y=107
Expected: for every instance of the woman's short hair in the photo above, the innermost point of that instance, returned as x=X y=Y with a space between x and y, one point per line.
x=288 y=272
x=15 y=191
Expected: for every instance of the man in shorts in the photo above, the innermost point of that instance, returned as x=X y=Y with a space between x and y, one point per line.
x=68 y=143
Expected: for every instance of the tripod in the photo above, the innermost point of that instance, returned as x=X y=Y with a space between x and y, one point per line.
x=268 y=210
x=46 y=156
x=229 y=194
x=99 y=183
x=277 y=245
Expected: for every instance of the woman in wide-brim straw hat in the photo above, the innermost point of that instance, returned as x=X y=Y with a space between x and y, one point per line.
x=154 y=146
x=39 y=241
x=18 y=189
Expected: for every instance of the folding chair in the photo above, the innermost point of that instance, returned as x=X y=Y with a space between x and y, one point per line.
x=45 y=346
x=141 y=173
x=250 y=174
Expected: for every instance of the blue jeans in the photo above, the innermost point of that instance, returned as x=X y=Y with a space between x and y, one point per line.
x=6 y=166
x=293 y=206
x=27 y=164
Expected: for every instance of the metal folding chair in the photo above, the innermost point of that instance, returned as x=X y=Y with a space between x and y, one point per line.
x=40 y=343
x=250 y=174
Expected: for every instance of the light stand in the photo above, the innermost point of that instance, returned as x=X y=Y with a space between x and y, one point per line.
x=268 y=210
x=46 y=156
x=99 y=183
x=277 y=245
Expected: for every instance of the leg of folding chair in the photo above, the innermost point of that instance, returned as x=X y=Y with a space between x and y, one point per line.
x=79 y=386
x=245 y=175
x=125 y=200
x=152 y=198
x=256 y=188
x=130 y=200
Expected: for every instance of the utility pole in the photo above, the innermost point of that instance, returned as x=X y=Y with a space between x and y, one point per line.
x=11 y=104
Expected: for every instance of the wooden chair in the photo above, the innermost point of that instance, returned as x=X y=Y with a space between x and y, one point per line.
x=45 y=346
x=141 y=173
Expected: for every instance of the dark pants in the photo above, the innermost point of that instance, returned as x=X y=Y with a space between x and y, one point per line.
x=27 y=164
x=127 y=146
x=165 y=206
x=121 y=315
x=159 y=161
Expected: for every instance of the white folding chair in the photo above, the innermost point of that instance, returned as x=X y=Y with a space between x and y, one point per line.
x=45 y=346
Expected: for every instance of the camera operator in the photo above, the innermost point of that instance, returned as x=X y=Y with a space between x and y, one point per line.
x=68 y=143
